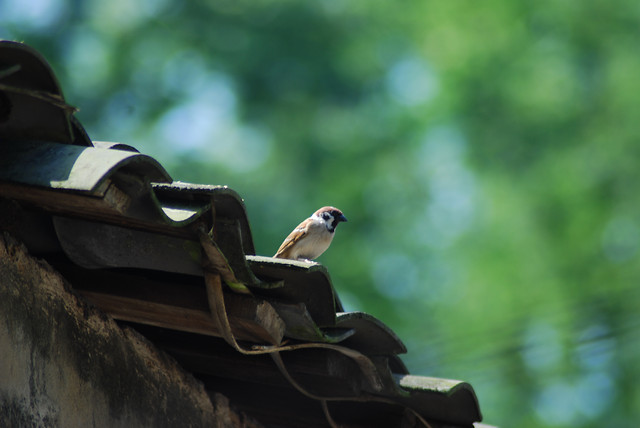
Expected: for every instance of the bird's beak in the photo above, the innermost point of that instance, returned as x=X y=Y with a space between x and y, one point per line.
x=342 y=218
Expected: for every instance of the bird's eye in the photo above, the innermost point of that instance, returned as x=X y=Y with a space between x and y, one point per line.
x=326 y=216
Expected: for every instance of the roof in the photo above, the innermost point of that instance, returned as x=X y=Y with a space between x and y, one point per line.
x=177 y=262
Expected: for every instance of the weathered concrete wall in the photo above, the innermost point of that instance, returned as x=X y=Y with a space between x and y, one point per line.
x=64 y=364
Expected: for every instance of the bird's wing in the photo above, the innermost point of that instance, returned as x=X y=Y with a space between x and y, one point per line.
x=296 y=235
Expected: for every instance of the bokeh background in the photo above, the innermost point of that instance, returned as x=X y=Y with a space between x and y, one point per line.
x=486 y=154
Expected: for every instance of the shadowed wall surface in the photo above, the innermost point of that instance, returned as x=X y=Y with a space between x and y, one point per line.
x=66 y=365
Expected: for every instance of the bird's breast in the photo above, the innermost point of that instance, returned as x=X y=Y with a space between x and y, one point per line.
x=315 y=243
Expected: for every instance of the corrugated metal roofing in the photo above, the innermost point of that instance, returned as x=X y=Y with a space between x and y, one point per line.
x=152 y=252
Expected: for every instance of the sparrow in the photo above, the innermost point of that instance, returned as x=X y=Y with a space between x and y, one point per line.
x=312 y=237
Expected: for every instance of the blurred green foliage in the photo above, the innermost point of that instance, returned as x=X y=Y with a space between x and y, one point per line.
x=486 y=155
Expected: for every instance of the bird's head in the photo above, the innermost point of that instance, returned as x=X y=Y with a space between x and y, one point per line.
x=331 y=216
